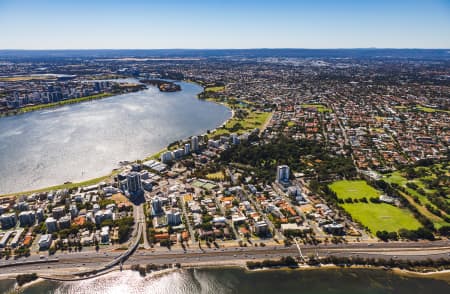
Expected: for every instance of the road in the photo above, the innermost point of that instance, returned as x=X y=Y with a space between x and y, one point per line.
x=81 y=262
x=139 y=220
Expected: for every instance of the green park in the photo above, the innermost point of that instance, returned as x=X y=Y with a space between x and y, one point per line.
x=374 y=216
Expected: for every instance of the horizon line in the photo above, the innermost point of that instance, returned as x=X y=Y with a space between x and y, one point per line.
x=249 y=48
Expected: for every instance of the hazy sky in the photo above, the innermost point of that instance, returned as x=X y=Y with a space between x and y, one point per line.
x=83 y=24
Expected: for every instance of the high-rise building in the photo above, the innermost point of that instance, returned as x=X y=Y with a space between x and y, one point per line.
x=134 y=182
x=187 y=149
x=283 y=174
x=64 y=222
x=177 y=154
x=8 y=220
x=51 y=225
x=166 y=156
x=194 y=143
x=173 y=217
x=27 y=218
x=156 y=206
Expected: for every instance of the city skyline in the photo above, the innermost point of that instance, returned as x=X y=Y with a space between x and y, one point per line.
x=223 y=25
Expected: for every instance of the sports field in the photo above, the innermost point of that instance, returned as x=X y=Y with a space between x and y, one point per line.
x=375 y=216
x=354 y=189
x=382 y=216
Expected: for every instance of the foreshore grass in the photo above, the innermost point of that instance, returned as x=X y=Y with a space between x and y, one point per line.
x=57 y=104
x=215 y=89
x=255 y=119
x=64 y=102
x=66 y=186
x=26 y=78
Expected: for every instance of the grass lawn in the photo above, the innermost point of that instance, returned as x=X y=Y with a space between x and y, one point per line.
x=319 y=107
x=25 y=78
x=430 y=110
x=219 y=176
x=354 y=189
x=215 y=89
x=68 y=185
x=290 y=124
x=255 y=119
x=120 y=198
x=157 y=155
x=379 y=217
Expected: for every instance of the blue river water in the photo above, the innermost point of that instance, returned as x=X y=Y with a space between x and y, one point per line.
x=87 y=140
x=233 y=280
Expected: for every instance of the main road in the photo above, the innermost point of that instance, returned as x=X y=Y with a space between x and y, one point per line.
x=82 y=262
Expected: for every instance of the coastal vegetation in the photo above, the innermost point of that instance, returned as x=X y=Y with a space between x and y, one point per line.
x=287 y=261
x=25 y=278
x=405 y=264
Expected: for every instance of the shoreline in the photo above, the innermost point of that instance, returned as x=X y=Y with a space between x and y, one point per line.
x=443 y=275
x=61 y=103
x=241 y=264
x=99 y=179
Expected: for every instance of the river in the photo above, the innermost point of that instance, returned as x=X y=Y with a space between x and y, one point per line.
x=87 y=140
x=233 y=280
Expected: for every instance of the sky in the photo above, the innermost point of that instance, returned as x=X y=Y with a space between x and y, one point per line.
x=202 y=24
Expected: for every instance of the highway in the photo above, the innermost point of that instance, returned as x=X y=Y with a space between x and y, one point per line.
x=82 y=262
